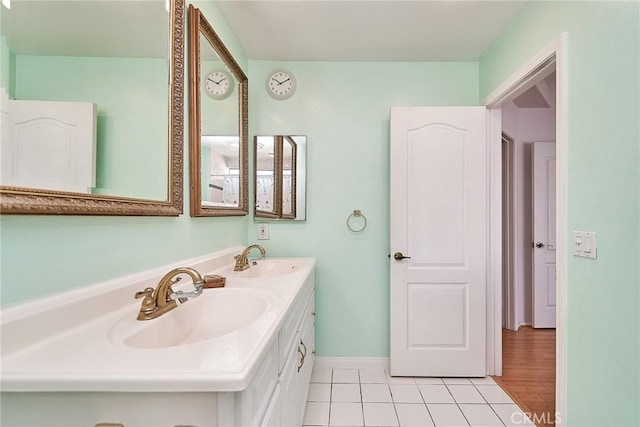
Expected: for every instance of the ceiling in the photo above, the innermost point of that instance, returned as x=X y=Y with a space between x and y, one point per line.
x=541 y=95
x=292 y=30
x=373 y=30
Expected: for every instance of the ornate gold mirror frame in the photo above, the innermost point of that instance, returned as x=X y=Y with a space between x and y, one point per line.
x=198 y=25
x=17 y=200
x=288 y=158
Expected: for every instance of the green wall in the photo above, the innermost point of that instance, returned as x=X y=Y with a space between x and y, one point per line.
x=44 y=255
x=343 y=109
x=6 y=64
x=131 y=98
x=603 y=77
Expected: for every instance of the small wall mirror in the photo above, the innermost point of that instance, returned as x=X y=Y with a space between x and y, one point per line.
x=102 y=134
x=280 y=177
x=218 y=116
x=265 y=177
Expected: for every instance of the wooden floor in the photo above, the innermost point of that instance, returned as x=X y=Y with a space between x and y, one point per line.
x=529 y=371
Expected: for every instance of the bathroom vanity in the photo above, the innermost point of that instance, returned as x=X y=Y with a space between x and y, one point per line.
x=241 y=355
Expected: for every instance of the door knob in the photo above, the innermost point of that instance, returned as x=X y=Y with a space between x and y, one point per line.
x=399 y=257
x=539 y=245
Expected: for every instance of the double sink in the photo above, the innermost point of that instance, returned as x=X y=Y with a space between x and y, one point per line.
x=90 y=339
x=215 y=313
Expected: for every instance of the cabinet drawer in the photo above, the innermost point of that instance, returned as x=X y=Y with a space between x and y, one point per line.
x=291 y=325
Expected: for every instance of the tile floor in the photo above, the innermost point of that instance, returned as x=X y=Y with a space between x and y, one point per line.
x=364 y=397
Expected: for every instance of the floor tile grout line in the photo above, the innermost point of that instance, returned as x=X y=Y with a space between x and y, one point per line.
x=364 y=423
x=483 y=398
x=462 y=412
x=330 y=395
x=429 y=412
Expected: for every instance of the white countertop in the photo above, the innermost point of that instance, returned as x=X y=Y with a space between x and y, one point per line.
x=87 y=358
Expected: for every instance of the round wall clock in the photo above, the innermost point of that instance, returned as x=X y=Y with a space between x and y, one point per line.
x=218 y=84
x=281 y=84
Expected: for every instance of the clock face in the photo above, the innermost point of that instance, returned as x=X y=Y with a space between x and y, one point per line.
x=281 y=84
x=218 y=84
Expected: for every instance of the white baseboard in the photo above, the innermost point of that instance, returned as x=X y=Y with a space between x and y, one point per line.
x=352 y=363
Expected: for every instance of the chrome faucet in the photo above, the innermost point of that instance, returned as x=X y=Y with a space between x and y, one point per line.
x=163 y=299
x=242 y=262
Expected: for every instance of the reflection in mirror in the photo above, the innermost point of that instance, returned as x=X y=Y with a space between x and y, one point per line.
x=91 y=137
x=265 y=176
x=280 y=176
x=218 y=124
x=220 y=164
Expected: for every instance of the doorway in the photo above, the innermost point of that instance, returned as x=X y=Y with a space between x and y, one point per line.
x=528 y=200
x=529 y=241
x=549 y=58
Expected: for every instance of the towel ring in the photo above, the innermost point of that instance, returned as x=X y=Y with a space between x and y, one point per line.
x=356 y=214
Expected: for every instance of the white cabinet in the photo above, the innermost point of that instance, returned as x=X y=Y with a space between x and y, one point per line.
x=278 y=392
x=271 y=392
x=296 y=373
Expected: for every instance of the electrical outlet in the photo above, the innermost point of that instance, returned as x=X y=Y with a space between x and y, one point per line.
x=263 y=231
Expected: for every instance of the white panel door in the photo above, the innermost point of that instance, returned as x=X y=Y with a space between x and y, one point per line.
x=544 y=235
x=438 y=216
x=50 y=145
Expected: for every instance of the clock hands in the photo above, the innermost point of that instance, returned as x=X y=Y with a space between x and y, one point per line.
x=217 y=82
x=279 y=83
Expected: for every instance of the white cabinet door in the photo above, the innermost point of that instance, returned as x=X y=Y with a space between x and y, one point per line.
x=438 y=218
x=289 y=412
x=272 y=417
x=306 y=355
x=296 y=374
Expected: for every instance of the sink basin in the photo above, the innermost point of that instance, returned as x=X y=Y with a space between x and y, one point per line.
x=217 y=312
x=265 y=268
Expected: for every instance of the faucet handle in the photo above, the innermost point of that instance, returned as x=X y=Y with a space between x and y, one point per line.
x=148 y=303
x=147 y=292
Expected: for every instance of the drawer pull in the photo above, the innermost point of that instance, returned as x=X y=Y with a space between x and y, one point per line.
x=303 y=354
x=304 y=347
x=301 y=359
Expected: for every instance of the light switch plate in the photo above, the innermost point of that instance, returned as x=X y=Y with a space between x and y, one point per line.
x=263 y=231
x=585 y=244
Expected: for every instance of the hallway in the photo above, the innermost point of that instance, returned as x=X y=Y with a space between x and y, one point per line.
x=529 y=371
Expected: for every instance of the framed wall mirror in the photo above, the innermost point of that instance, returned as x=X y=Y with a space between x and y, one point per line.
x=280 y=177
x=218 y=114
x=266 y=191
x=92 y=106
